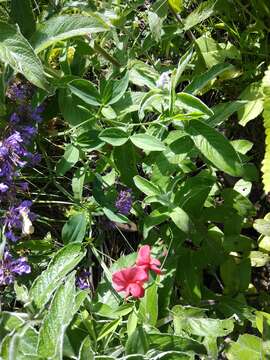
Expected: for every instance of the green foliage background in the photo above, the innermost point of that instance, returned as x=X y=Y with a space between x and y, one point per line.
x=191 y=152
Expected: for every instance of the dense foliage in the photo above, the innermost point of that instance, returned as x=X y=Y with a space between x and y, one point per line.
x=134 y=179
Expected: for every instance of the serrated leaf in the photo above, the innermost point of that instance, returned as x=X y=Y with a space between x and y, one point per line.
x=64 y=27
x=62 y=263
x=16 y=51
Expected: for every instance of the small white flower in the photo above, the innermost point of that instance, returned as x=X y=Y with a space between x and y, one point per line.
x=164 y=81
x=27 y=226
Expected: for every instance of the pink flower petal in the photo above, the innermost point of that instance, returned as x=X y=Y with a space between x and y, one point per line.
x=143 y=255
x=138 y=273
x=155 y=269
x=136 y=290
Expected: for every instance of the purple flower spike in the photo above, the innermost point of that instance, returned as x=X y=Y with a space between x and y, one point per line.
x=82 y=280
x=14 y=118
x=124 y=202
x=19 y=93
x=3 y=187
x=10 y=268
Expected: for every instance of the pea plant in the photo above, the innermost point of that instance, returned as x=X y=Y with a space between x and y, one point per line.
x=134 y=159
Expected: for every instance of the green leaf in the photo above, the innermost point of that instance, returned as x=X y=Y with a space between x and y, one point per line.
x=262 y=226
x=215 y=147
x=155 y=24
x=114 y=136
x=69 y=107
x=200 y=81
x=168 y=342
x=176 y=5
x=69 y=159
x=86 y=91
x=86 y=351
x=142 y=74
x=21 y=345
x=185 y=59
x=155 y=218
x=192 y=104
x=122 y=219
x=21 y=13
x=189 y=275
x=200 y=14
x=60 y=314
x=246 y=347
x=148 y=310
x=78 y=182
x=181 y=220
x=223 y=111
x=235 y=275
x=193 y=194
x=214 y=53
x=89 y=140
x=194 y=324
x=119 y=88
x=146 y=186
x=75 y=228
x=125 y=160
x=147 y=142
x=9 y=322
x=108 y=329
x=64 y=27
x=62 y=263
x=18 y=53
x=258 y=258
x=138 y=342
x=253 y=95
x=242 y=146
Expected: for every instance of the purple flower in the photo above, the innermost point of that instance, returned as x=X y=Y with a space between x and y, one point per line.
x=82 y=279
x=10 y=268
x=24 y=186
x=27 y=133
x=14 y=118
x=11 y=236
x=19 y=92
x=19 y=218
x=3 y=187
x=124 y=202
x=34 y=159
x=35 y=114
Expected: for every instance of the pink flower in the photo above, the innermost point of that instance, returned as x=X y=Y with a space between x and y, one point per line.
x=145 y=260
x=130 y=280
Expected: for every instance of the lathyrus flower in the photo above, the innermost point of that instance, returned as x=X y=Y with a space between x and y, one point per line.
x=131 y=281
x=145 y=260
